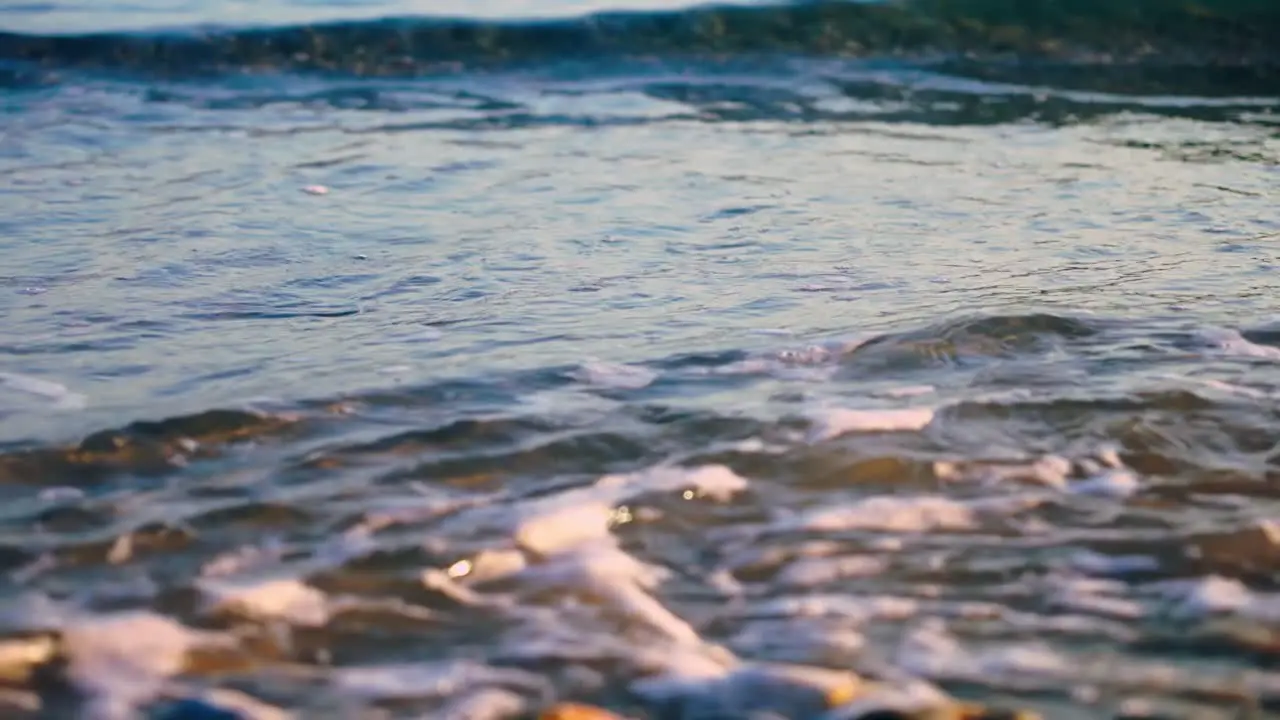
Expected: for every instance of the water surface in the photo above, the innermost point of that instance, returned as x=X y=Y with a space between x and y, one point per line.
x=369 y=375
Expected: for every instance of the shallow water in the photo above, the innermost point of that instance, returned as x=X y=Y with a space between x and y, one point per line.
x=437 y=388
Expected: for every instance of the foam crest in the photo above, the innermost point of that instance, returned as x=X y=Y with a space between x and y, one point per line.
x=434 y=680
x=907 y=514
x=563 y=543
x=486 y=704
x=1110 y=483
x=800 y=639
x=583 y=515
x=122 y=661
x=849 y=608
x=750 y=689
x=1231 y=342
x=1050 y=470
x=1099 y=564
x=816 y=572
x=811 y=363
x=907 y=391
x=1095 y=597
x=614 y=376
x=284 y=599
x=714 y=481
x=831 y=423
x=619 y=582
x=1106 y=476
x=556 y=529
x=930 y=650
x=60 y=395
x=1212 y=595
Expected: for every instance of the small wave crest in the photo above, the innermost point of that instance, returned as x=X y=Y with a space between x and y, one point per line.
x=572 y=533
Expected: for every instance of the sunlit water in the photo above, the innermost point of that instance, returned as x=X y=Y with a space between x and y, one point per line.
x=456 y=393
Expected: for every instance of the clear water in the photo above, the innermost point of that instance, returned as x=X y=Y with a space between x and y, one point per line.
x=612 y=380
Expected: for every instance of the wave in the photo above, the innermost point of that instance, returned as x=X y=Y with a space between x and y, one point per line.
x=1235 y=33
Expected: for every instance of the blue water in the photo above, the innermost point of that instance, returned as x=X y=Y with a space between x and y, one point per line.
x=389 y=360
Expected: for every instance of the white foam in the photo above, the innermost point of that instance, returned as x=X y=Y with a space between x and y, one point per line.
x=614 y=375
x=440 y=581
x=62 y=397
x=907 y=391
x=1096 y=597
x=714 y=481
x=813 y=363
x=61 y=493
x=567 y=538
x=336 y=550
x=818 y=354
x=1231 y=342
x=486 y=704
x=1233 y=389
x=280 y=599
x=1110 y=483
x=1109 y=455
x=775 y=368
x=804 y=640
x=1098 y=564
x=561 y=544
x=685 y=661
x=757 y=556
x=244 y=558
x=554 y=529
x=619 y=580
x=750 y=689
x=121 y=661
x=1118 y=608
x=488 y=565
x=444 y=679
x=931 y=651
x=1215 y=595
x=1049 y=470
x=908 y=514
x=849 y=608
x=830 y=423
x=1205 y=596
x=818 y=571
x=758 y=446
